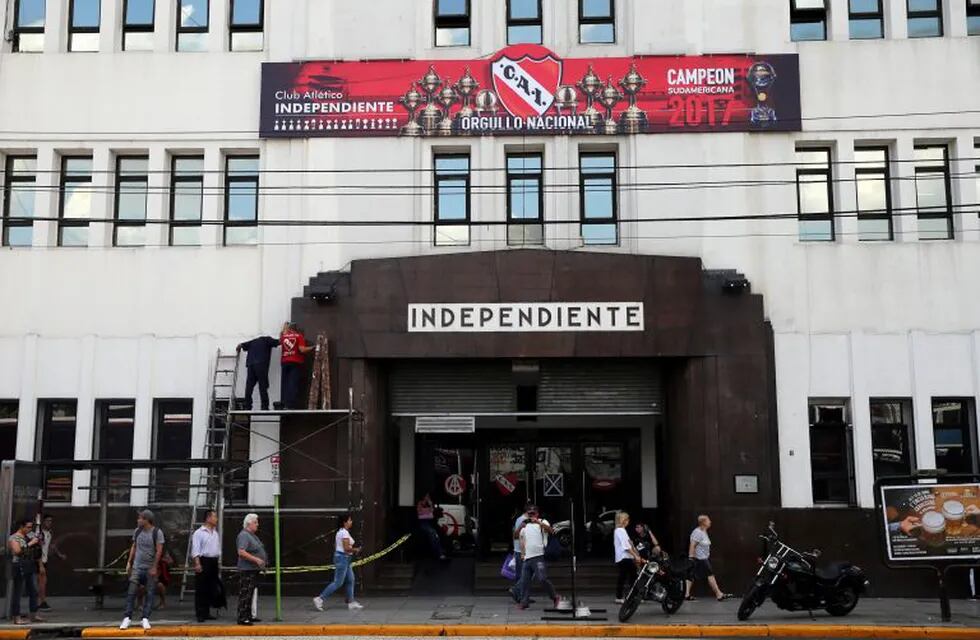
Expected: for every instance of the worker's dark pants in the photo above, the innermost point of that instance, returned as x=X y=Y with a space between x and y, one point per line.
x=257 y=373
x=291 y=375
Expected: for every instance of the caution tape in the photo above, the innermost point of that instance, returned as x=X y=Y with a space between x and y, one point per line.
x=357 y=563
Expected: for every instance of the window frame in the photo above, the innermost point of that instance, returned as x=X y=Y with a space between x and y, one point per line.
x=64 y=180
x=937 y=14
x=158 y=405
x=176 y=179
x=20 y=30
x=878 y=15
x=206 y=28
x=526 y=22
x=969 y=429
x=119 y=180
x=228 y=181
x=137 y=28
x=828 y=173
x=452 y=21
x=6 y=424
x=102 y=409
x=258 y=27
x=42 y=444
x=587 y=20
x=436 y=179
x=889 y=205
x=908 y=416
x=807 y=16
x=972 y=16
x=947 y=185
x=9 y=179
x=73 y=30
x=848 y=431
x=509 y=177
x=582 y=177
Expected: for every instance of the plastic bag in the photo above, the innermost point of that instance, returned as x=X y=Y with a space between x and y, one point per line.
x=509 y=568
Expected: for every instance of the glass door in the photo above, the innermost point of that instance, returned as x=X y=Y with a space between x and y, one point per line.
x=603 y=494
x=504 y=492
x=554 y=485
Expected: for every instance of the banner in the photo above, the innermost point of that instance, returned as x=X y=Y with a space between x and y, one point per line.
x=932 y=522
x=528 y=90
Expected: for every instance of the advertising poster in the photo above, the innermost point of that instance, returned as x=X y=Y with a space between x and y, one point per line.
x=528 y=90
x=932 y=522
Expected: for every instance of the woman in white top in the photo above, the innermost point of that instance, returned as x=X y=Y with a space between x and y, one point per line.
x=626 y=556
x=344 y=552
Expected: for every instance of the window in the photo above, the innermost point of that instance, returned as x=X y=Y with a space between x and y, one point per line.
x=866 y=19
x=953 y=424
x=452 y=21
x=192 y=25
x=19 y=179
x=452 y=199
x=246 y=25
x=925 y=18
x=892 y=439
x=8 y=429
x=815 y=194
x=186 y=199
x=138 y=16
x=56 y=441
x=807 y=20
x=831 y=464
x=596 y=21
x=874 y=198
x=83 y=26
x=525 y=199
x=172 y=425
x=29 y=25
x=241 y=199
x=131 y=192
x=973 y=17
x=75 y=201
x=598 y=198
x=932 y=192
x=524 y=21
x=114 y=420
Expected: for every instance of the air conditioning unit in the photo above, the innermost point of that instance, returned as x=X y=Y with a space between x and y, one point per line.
x=445 y=424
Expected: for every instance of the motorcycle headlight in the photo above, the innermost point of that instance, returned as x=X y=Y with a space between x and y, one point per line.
x=773 y=563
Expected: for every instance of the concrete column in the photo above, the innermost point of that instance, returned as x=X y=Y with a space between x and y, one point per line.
x=837 y=21
x=84 y=421
x=204 y=360
x=165 y=26
x=110 y=26
x=925 y=442
x=103 y=198
x=845 y=190
x=158 y=198
x=966 y=187
x=143 y=424
x=954 y=18
x=46 y=197
x=27 y=409
x=864 y=477
x=218 y=25
x=896 y=20
x=56 y=26
x=903 y=190
x=213 y=207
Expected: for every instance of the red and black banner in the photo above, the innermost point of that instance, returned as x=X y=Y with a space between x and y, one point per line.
x=528 y=90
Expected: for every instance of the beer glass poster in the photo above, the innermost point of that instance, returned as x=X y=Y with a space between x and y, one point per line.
x=932 y=522
x=528 y=90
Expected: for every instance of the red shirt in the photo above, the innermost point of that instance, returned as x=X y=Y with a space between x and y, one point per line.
x=290 y=341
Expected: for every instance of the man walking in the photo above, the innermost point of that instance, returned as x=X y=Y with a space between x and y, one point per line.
x=206 y=552
x=534 y=534
x=46 y=536
x=294 y=350
x=142 y=566
x=518 y=564
x=257 y=368
x=699 y=551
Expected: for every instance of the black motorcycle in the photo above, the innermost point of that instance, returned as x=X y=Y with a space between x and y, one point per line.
x=656 y=580
x=793 y=581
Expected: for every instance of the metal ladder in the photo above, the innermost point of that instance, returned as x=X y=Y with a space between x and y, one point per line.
x=210 y=489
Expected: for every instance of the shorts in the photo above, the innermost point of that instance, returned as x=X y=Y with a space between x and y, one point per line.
x=702 y=568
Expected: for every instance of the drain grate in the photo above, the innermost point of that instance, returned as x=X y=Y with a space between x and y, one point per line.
x=452 y=612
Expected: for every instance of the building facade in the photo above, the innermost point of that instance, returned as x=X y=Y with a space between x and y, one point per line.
x=808 y=295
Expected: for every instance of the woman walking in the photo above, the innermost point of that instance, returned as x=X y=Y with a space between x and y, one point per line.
x=626 y=556
x=700 y=552
x=252 y=558
x=23 y=548
x=343 y=555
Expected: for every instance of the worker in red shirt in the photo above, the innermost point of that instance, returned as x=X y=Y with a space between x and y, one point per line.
x=294 y=349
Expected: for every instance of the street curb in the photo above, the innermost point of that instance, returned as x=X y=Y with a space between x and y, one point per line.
x=14 y=634
x=556 y=630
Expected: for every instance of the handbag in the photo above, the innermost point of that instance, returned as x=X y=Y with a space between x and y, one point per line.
x=509 y=568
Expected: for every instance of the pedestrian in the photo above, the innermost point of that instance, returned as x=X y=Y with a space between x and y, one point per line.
x=23 y=547
x=206 y=553
x=425 y=511
x=343 y=571
x=294 y=350
x=625 y=555
x=516 y=533
x=699 y=551
x=46 y=535
x=142 y=568
x=252 y=558
x=533 y=535
x=257 y=368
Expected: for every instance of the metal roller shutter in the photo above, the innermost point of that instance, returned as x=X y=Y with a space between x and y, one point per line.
x=600 y=385
x=451 y=387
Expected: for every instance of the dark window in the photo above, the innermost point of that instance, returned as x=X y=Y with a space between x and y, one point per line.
x=9 y=410
x=831 y=464
x=19 y=178
x=596 y=21
x=933 y=192
x=807 y=20
x=192 y=25
x=186 y=199
x=29 y=25
x=138 y=20
x=925 y=18
x=241 y=199
x=525 y=199
x=452 y=199
x=524 y=21
x=83 y=25
x=866 y=19
x=114 y=420
x=246 y=25
x=815 y=194
x=172 y=424
x=598 y=201
x=892 y=437
x=973 y=17
x=132 y=184
x=452 y=22
x=953 y=425
x=872 y=177
x=56 y=419
x=239 y=453
x=75 y=201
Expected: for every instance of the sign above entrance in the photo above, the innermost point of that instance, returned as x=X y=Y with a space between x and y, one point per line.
x=528 y=90
x=520 y=317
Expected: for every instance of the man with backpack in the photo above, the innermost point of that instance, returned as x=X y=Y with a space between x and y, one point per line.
x=143 y=566
x=537 y=541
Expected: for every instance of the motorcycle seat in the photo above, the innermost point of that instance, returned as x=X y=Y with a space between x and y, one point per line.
x=832 y=571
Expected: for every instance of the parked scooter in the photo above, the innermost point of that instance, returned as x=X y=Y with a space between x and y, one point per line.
x=793 y=581
x=657 y=581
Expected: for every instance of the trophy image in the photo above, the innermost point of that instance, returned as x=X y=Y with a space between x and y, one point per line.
x=590 y=85
x=609 y=96
x=411 y=100
x=634 y=117
x=566 y=98
x=466 y=86
x=446 y=98
x=486 y=102
x=431 y=114
x=761 y=76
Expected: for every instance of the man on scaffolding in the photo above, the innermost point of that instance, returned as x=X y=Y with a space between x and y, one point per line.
x=257 y=368
x=294 y=350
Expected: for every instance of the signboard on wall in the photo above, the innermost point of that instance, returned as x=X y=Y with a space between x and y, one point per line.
x=932 y=521
x=525 y=317
x=528 y=90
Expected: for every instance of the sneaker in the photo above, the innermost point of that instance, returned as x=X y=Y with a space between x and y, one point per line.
x=557 y=602
x=318 y=603
x=44 y=606
x=37 y=618
x=146 y=624
x=354 y=604
x=125 y=623
x=620 y=601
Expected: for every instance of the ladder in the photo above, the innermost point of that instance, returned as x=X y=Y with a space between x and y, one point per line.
x=210 y=489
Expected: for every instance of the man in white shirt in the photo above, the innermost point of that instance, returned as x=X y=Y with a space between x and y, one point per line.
x=206 y=552
x=518 y=523
x=533 y=535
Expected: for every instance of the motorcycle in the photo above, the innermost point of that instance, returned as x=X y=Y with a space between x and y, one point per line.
x=658 y=581
x=793 y=581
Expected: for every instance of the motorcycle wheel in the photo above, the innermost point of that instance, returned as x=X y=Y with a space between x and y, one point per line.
x=630 y=605
x=751 y=601
x=843 y=602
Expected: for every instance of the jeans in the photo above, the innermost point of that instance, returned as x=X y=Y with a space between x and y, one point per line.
x=291 y=374
x=136 y=578
x=536 y=568
x=343 y=572
x=23 y=575
x=515 y=588
x=428 y=528
x=257 y=373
